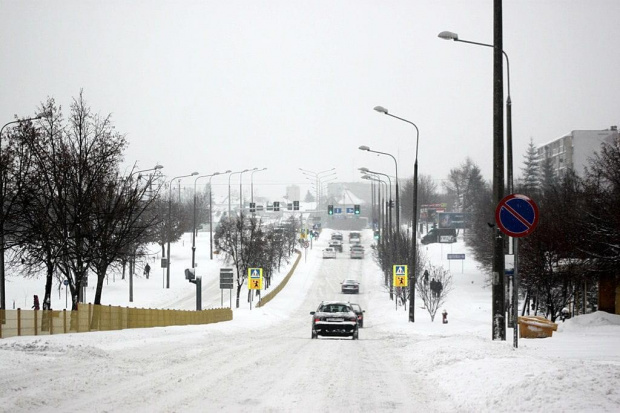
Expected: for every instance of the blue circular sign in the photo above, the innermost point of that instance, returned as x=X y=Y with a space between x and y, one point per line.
x=65 y=282
x=516 y=215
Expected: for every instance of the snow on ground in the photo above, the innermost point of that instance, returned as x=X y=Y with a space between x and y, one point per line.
x=264 y=360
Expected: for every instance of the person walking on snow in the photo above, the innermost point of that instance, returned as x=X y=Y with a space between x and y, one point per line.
x=147 y=270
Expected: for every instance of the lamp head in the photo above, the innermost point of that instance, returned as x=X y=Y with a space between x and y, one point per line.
x=381 y=109
x=215 y=173
x=228 y=171
x=364 y=169
x=158 y=166
x=364 y=148
x=194 y=174
x=448 y=36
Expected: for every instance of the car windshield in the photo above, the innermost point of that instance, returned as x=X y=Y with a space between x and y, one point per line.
x=335 y=308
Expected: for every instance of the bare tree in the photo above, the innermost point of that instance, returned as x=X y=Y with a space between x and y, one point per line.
x=433 y=290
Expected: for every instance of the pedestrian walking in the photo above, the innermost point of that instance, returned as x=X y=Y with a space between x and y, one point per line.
x=36 y=302
x=425 y=276
x=147 y=270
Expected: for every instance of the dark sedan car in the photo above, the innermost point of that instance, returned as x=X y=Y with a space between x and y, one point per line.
x=334 y=318
x=350 y=286
x=357 y=309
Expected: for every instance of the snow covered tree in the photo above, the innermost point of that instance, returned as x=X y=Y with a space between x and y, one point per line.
x=530 y=181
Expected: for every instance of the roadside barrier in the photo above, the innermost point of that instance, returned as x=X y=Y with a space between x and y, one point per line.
x=536 y=327
x=91 y=317
x=264 y=300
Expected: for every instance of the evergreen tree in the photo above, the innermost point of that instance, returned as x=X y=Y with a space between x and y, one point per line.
x=531 y=170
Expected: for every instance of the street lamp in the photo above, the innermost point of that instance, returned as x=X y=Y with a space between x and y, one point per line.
x=498 y=291
x=252 y=183
x=211 y=213
x=316 y=176
x=367 y=149
x=241 y=188
x=170 y=223
x=229 y=204
x=194 y=226
x=2 y=217
x=509 y=179
x=132 y=257
x=389 y=211
x=383 y=110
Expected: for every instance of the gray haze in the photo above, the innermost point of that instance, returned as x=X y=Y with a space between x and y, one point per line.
x=213 y=85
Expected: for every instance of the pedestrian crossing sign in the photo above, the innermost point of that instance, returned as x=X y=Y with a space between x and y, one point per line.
x=400 y=275
x=255 y=278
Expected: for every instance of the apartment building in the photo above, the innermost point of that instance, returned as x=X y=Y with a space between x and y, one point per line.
x=573 y=150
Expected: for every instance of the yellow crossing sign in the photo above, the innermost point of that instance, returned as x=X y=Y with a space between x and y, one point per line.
x=400 y=275
x=255 y=278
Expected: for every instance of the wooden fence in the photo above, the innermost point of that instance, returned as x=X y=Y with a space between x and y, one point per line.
x=268 y=297
x=91 y=317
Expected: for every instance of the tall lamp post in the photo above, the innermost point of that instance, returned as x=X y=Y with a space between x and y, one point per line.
x=389 y=210
x=412 y=275
x=241 y=188
x=316 y=176
x=252 y=182
x=499 y=294
x=2 y=217
x=367 y=149
x=509 y=179
x=229 y=203
x=194 y=226
x=170 y=223
x=211 y=213
x=132 y=258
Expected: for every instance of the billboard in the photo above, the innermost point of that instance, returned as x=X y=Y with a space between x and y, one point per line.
x=456 y=220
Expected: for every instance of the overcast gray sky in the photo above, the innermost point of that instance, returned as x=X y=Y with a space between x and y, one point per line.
x=216 y=85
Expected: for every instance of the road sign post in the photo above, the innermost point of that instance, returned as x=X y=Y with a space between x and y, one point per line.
x=516 y=216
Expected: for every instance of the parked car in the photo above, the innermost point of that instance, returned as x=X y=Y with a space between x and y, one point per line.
x=350 y=286
x=447 y=235
x=334 y=318
x=357 y=251
x=329 y=253
x=357 y=309
x=335 y=244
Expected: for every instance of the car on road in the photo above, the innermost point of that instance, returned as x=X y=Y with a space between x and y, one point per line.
x=334 y=318
x=357 y=251
x=337 y=236
x=329 y=253
x=350 y=286
x=335 y=244
x=443 y=235
x=357 y=309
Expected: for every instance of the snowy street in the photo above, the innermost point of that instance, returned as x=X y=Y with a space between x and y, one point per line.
x=264 y=360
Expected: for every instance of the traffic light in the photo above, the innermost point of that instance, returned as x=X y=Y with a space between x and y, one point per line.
x=391 y=204
x=376 y=234
x=330 y=210
x=276 y=206
x=296 y=205
x=357 y=209
x=289 y=206
x=252 y=207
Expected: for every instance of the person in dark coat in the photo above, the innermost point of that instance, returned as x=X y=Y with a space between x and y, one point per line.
x=147 y=270
x=36 y=302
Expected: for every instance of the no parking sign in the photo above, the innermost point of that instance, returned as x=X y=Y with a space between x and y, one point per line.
x=516 y=215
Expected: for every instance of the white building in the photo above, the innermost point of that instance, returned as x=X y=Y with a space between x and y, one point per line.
x=292 y=193
x=573 y=150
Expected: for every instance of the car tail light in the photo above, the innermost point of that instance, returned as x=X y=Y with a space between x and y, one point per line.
x=316 y=319
x=359 y=317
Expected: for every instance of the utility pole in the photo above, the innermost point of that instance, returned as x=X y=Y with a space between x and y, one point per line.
x=498 y=305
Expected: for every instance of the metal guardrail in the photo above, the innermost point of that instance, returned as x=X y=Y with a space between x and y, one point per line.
x=91 y=317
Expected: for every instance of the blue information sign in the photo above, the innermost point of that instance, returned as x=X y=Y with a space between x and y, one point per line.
x=349 y=210
x=516 y=215
x=337 y=210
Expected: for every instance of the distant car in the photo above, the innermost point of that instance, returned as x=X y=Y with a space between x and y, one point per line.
x=355 y=236
x=329 y=253
x=357 y=252
x=350 y=286
x=334 y=318
x=357 y=309
x=444 y=235
x=337 y=236
x=335 y=244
